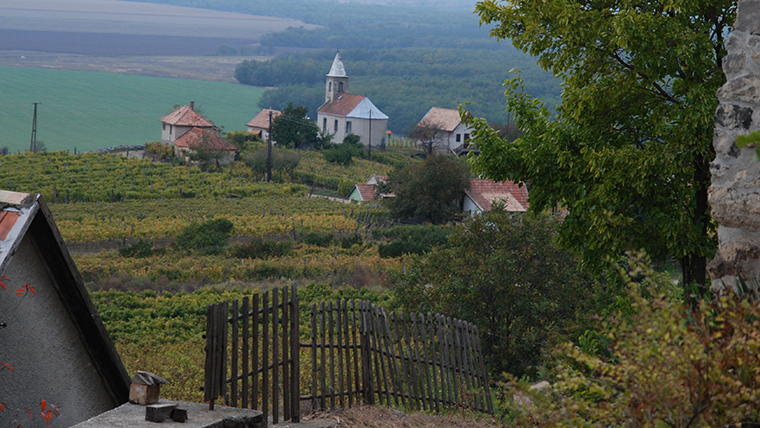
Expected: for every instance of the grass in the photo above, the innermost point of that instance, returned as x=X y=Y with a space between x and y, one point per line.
x=92 y=110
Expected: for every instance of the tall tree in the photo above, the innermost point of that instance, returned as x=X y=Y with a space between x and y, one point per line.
x=628 y=151
x=293 y=128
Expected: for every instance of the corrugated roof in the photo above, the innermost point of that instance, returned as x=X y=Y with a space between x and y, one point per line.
x=485 y=192
x=366 y=110
x=203 y=137
x=261 y=120
x=337 y=69
x=445 y=119
x=186 y=116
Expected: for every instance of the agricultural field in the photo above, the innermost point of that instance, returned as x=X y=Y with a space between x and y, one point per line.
x=87 y=111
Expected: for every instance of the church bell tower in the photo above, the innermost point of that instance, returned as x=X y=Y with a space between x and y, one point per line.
x=337 y=80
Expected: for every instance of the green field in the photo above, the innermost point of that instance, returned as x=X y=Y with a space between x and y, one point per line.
x=92 y=110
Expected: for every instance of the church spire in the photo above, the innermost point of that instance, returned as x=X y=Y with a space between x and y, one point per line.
x=337 y=69
x=337 y=80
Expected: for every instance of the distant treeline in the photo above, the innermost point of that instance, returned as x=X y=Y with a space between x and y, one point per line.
x=403 y=83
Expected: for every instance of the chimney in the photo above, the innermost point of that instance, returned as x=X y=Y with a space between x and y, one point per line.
x=192 y=105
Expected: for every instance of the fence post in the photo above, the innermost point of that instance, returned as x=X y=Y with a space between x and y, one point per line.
x=295 y=350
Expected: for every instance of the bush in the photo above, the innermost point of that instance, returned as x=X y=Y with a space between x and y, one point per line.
x=210 y=236
x=162 y=150
x=141 y=248
x=349 y=241
x=319 y=239
x=261 y=249
x=412 y=239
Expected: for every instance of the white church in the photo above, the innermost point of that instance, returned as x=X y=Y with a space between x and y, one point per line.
x=344 y=113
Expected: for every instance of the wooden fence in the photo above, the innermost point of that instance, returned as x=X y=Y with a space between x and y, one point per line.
x=358 y=353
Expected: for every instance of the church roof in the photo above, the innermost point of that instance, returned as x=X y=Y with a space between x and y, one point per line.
x=445 y=119
x=186 y=116
x=337 y=69
x=352 y=106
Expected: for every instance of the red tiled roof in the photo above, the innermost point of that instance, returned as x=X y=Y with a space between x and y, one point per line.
x=186 y=116
x=343 y=105
x=445 y=119
x=367 y=191
x=261 y=120
x=485 y=192
x=205 y=137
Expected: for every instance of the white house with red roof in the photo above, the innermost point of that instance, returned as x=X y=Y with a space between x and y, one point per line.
x=204 y=139
x=344 y=113
x=181 y=120
x=259 y=125
x=484 y=193
x=449 y=131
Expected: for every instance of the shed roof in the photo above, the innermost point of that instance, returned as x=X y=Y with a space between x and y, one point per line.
x=445 y=119
x=261 y=120
x=367 y=192
x=197 y=137
x=25 y=214
x=353 y=106
x=186 y=116
x=484 y=193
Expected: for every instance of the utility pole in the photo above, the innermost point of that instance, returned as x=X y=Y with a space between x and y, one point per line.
x=33 y=143
x=269 y=149
x=369 y=152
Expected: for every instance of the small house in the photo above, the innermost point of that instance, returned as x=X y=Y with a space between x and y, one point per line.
x=204 y=140
x=483 y=193
x=181 y=120
x=444 y=129
x=368 y=191
x=259 y=125
x=51 y=333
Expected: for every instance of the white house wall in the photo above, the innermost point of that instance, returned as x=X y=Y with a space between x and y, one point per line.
x=43 y=345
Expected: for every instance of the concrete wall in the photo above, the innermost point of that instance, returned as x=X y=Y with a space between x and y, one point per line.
x=45 y=349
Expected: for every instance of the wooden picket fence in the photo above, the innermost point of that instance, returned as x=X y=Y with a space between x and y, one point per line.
x=358 y=354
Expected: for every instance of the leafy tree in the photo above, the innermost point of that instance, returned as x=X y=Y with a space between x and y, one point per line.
x=432 y=189
x=343 y=154
x=430 y=138
x=283 y=160
x=293 y=129
x=504 y=273
x=628 y=150
x=242 y=139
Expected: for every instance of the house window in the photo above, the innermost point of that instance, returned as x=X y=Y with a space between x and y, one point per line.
x=459 y=138
x=335 y=128
x=466 y=137
x=340 y=86
x=324 y=124
x=348 y=127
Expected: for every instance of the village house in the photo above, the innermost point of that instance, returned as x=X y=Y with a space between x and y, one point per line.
x=483 y=193
x=51 y=333
x=343 y=113
x=205 y=141
x=443 y=130
x=259 y=125
x=181 y=120
x=368 y=191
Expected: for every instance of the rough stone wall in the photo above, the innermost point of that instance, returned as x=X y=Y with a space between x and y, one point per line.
x=735 y=191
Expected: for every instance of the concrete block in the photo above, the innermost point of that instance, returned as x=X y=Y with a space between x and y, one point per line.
x=179 y=415
x=159 y=412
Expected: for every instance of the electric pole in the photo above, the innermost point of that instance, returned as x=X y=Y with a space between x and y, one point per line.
x=369 y=154
x=269 y=149
x=33 y=143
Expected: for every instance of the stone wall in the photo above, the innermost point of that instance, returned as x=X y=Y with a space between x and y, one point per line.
x=735 y=191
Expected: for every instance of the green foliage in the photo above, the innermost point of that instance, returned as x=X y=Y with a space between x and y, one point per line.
x=504 y=273
x=666 y=364
x=628 y=152
x=432 y=189
x=349 y=241
x=139 y=248
x=412 y=239
x=319 y=239
x=209 y=236
x=293 y=128
x=283 y=160
x=243 y=140
x=161 y=150
x=428 y=77
x=260 y=248
x=342 y=154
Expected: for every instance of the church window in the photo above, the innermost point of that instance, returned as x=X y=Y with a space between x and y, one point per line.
x=324 y=124
x=340 y=86
x=335 y=128
x=329 y=86
x=348 y=127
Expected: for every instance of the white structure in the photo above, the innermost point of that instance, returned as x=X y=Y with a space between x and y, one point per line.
x=447 y=128
x=344 y=113
x=181 y=120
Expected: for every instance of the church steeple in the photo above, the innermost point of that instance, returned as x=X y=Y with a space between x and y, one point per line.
x=337 y=80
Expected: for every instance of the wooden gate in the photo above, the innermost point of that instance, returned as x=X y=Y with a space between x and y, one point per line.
x=357 y=353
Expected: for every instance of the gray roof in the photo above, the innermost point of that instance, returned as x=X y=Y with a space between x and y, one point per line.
x=337 y=69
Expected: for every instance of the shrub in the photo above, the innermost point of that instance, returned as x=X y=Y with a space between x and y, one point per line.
x=349 y=241
x=412 y=239
x=319 y=239
x=141 y=248
x=209 y=236
x=260 y=248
